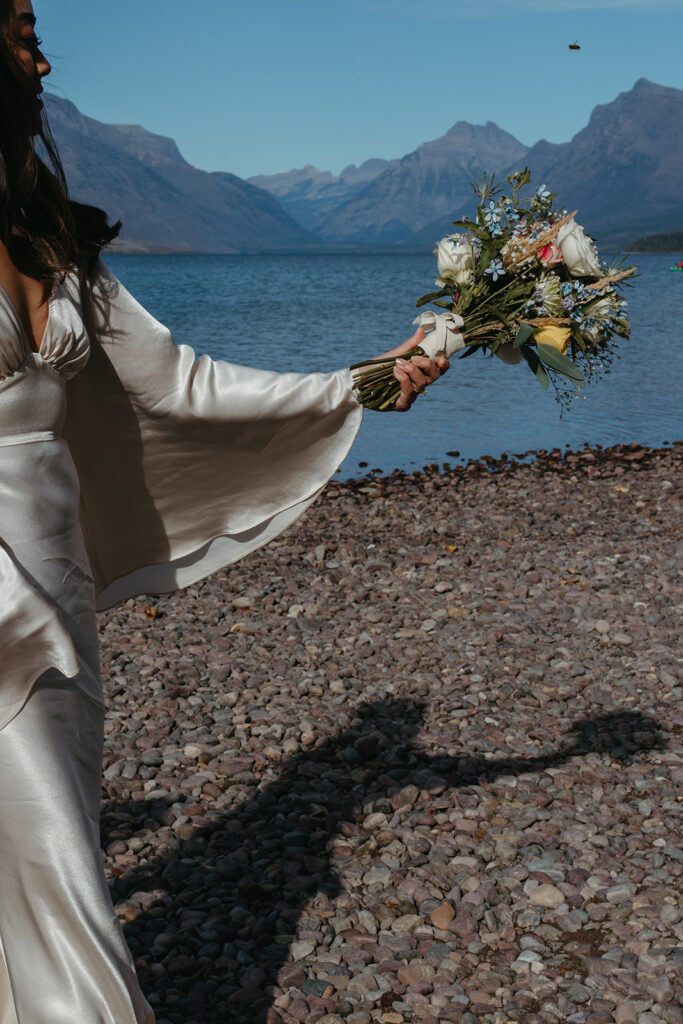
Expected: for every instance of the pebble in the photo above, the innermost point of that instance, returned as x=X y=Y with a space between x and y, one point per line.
x=317 y=809
x=625 y=1013
x=547 y=896
x=442 y=916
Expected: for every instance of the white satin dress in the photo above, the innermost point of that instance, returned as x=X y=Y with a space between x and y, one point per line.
x=126 y=466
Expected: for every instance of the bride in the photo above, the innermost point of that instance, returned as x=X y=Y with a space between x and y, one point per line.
x=126 y=466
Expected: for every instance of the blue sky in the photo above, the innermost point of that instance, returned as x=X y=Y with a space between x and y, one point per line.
x=259 y=86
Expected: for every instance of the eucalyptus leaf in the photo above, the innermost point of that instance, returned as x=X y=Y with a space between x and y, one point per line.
x=536 y=366
x=556 y=361
x=430 y=297
x=523 y=334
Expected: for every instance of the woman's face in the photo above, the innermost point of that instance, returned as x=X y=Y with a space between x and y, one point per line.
x=25 y=47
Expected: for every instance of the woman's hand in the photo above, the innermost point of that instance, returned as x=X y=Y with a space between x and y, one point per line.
x=415 y=374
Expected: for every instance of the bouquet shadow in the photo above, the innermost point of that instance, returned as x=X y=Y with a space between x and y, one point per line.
x=224 y=905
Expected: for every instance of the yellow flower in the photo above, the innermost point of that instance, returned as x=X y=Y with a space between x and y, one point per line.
x=553 y=336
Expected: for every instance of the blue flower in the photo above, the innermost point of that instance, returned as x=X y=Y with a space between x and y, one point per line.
x=495 y=269
x=542 y=194
x=568 y=302
x=567 y=288
x=492 y=215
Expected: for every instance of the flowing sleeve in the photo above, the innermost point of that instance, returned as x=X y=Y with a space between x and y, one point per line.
x=187 y=464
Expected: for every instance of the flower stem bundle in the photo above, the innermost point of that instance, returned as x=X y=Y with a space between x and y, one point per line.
x=521 y=282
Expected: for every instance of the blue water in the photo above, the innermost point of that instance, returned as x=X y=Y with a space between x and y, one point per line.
x=320 y=312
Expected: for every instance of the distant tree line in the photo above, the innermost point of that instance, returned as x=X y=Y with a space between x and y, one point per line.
x=667 y=241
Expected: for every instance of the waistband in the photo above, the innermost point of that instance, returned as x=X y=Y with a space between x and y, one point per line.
x=40 y=435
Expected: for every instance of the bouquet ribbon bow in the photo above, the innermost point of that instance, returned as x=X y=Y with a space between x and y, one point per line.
x=444 y=333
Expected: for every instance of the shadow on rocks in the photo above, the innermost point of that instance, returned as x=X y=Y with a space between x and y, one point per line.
x=220 y=911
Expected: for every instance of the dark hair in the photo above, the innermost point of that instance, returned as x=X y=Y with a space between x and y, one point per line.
x=47 y=235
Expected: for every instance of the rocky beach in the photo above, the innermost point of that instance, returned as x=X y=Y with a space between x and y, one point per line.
x=416 y=760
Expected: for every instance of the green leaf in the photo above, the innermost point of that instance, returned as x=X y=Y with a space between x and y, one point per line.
x=523 y=334
x=470 y=225
x=556 y=361
x=500 y=314
x=578 y=340
x=469 y=351
x=536 y=366
x=431 y=296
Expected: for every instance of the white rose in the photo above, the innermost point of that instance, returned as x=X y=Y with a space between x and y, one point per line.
x=455 y=257
x=602 y=310
x=578 y=251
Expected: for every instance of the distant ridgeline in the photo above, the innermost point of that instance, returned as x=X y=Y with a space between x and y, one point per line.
x=622 y=171
x=666 y=241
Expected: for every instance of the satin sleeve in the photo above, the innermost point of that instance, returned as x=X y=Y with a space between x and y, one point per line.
x=186 y=464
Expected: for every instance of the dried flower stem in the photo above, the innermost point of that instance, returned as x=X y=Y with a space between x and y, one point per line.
x=525 y=251
x=621 y=275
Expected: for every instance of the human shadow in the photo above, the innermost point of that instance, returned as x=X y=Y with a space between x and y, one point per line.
x=228 y=900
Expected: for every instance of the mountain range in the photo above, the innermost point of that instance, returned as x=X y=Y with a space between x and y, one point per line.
x=422 y=186
x=622 y=171
x=310 y=195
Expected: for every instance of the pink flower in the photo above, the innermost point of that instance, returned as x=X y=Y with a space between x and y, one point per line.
x=550 y=254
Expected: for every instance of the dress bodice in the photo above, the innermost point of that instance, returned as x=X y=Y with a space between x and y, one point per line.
x=46 y=593
x=32 y=383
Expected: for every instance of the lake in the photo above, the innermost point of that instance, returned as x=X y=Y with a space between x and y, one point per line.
x=319 y=312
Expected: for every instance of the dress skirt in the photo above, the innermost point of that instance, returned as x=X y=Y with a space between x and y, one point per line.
x=64 y=956
x=127 y=466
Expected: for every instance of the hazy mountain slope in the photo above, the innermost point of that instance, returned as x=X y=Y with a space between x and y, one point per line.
x=423 y=185
x=163 y=201
x=310 y=195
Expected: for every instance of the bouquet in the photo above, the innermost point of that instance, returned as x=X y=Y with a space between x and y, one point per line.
x=520 y=282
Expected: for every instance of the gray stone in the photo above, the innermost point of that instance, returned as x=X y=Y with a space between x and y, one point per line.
x=578 y=993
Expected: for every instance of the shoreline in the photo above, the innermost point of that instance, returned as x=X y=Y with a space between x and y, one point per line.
x=552 y=459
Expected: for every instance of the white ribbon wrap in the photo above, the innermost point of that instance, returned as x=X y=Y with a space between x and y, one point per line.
x=444 y=336
x=444 y=333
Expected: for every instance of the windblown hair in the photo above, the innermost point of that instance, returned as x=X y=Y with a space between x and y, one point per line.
x=47 y=235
